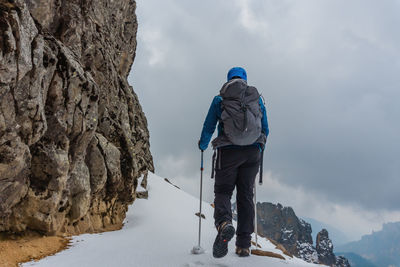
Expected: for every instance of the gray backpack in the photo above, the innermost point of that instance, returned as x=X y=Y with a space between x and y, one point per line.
x=241 y=112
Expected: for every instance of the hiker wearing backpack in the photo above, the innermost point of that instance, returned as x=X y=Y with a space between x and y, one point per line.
x=242 y=133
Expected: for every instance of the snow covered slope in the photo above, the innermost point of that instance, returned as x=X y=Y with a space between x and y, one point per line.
x=160 y=232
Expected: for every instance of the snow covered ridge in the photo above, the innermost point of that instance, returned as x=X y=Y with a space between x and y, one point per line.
x=160 y=231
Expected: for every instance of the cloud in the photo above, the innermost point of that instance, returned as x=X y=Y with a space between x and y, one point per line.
x=249 y=20
x=152 y=41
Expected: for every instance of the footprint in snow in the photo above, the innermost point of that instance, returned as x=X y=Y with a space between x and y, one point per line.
x=199 y=263
x=193 y=264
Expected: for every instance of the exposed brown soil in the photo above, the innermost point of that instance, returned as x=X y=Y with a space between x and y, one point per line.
x=18 y=249
x=267 y=254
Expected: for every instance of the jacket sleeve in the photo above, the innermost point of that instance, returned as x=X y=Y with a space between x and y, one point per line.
x=264 y=119
x=210 y=123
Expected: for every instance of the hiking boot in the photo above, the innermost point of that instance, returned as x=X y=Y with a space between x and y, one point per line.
x=242 y=252
x=225 y=233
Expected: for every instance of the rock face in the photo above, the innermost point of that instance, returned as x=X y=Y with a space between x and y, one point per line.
x=73 y=137
x=342 y=262
x=283 y=226
x=324 y=248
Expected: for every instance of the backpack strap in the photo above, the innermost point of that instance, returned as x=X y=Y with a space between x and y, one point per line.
x=219 y=158
x=213 y=163
x=244 y=109
x=263 y=99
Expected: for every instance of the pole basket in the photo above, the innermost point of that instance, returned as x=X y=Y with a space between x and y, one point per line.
x=197 y=250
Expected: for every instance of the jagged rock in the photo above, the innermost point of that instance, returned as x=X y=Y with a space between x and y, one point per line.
x=342 y=262
x=168 y=181
x=326 y=256
x=73 y=137
x=324 y=248
x=282 y=225
x=307 y=252
x=141 y=190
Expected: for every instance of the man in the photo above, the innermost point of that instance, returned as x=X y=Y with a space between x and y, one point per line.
x=242 y=134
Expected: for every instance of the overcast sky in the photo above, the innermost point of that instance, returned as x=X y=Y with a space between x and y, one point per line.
x=329 y=71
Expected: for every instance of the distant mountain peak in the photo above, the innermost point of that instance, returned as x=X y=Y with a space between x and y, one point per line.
x=382 y=247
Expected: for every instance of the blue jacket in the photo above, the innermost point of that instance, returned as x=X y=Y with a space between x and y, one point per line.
x=214 y=115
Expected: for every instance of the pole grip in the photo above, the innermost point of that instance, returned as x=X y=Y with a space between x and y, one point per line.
x=201 y=166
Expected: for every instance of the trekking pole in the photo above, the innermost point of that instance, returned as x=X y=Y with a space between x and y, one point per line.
x=255 y=196
x=255 y=216
x=261 y=168
x=198 y=249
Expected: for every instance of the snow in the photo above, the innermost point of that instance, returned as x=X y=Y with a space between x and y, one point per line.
x=307 y=252
x=302 y=223
x=160 y=231
x=286 y=234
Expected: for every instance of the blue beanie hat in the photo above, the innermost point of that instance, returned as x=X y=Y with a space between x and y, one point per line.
x=237 y=72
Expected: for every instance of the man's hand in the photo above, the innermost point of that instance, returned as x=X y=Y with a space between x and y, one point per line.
x=202 y=148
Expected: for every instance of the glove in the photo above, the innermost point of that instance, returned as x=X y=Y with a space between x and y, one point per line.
x=201 y=147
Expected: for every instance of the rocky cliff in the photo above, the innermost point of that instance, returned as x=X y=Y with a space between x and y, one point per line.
x=73 y=137
x=324 y=247
x=283 y=226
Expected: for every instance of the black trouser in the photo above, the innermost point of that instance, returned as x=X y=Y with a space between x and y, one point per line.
x=236 y=166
